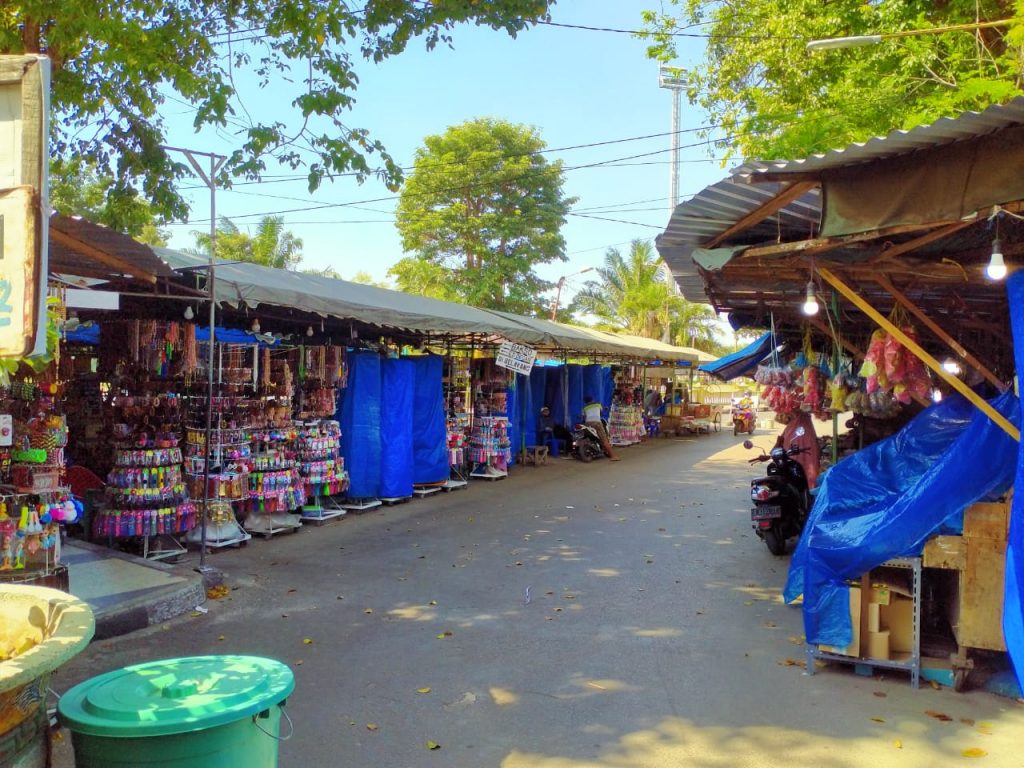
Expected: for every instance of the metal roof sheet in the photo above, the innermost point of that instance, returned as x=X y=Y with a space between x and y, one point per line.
x=946 y=130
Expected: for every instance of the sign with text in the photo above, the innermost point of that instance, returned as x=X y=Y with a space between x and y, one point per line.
x=516 y=357
x=24 y=168
x=19 y=271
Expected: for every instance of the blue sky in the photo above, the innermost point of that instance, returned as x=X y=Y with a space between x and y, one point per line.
x=576 y=86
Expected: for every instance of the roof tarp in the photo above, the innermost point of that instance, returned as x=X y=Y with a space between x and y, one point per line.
x=944 y=184
x=253 y=284
x=741 y=363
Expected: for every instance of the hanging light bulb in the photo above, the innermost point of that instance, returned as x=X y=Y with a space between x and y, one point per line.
x=309 y=331
x=810 y=306
x=996 y=269
x=189 y=314
x=256 y=325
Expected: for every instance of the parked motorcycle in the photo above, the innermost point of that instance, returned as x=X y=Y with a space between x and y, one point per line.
x=586 y=445
x=781 y=499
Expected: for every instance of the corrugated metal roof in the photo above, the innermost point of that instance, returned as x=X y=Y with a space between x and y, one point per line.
x=947 y=130
x=716 y=208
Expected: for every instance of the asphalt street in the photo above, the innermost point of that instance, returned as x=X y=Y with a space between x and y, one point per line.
x=611 y=615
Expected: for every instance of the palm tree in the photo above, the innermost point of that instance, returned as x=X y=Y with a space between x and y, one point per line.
x=694 y=325
x=630 y=294
x=271 y=246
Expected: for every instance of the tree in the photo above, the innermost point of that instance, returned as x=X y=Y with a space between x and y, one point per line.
x=365 y=278
x=115 y=64
x=271 y=246
x=767 y=98
x=76 y=189
x=630 y=293
x=484 y=205
x=695 y=325
x=424 y=278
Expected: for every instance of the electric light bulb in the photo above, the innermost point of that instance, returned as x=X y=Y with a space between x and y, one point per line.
x=189 y=314
x=309 y=331
x=996 y=269
x=810 y=306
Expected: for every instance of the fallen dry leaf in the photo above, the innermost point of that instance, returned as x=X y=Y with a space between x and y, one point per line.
x=898 y=744
x=220 y=637
x=433 y=602
x=938 y=715
x=935 y=685
x=422 y=690
x=368 y=611
x=985 y=728
x=966 y=721
x=748 y=602
x=878 y=719
x=372 y=726
x=974 y=752
x=298 y=663
x=433 y=745
x=307 y=641
x=879 y=694
x=444 y=634
x=795 y=640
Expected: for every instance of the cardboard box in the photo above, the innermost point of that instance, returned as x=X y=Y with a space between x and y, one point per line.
x=947 y=552
x=898 y=619
x=874 y=617
x=877 y=645
x=987 y=520
x=880 y=594
x=853 y=649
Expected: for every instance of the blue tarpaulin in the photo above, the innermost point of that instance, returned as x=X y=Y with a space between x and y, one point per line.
x=359 y=416
x=1013 y=592
x=555 y=394
x=398 y=378
x=888 y=499
x=529 y=411
x=90 y=334
x=429 y=431
x=538 y=394
x=742 y=363
x=575 y=392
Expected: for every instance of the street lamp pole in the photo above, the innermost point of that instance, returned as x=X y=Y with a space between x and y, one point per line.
x=558 y=291
x=834 y=43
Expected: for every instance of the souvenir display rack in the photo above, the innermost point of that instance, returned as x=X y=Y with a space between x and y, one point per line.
x=318 y=453
x=147 y=498
x=625 y=424
x=34 y=500
x=490 y=449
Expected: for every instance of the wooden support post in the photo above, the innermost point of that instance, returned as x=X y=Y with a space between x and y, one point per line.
x=923 y=356
x=934 y=328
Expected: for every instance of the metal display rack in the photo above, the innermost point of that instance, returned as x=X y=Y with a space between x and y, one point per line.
x=911 y=664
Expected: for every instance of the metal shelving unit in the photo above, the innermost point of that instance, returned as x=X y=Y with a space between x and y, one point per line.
x=912 y=664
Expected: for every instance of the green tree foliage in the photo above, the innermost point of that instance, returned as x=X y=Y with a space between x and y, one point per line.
x=365 y=278
x=772 y=99
x=483 y=207
x=271 y=246
x=630 y=293
x=115 y=64
x=695 y=325
x=424 y=278
x=76 y=189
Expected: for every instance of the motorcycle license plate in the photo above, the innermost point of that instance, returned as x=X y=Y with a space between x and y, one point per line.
x=766 y=512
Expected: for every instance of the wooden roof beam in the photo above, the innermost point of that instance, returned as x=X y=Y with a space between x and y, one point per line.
x=781 y=200
x=116 y=264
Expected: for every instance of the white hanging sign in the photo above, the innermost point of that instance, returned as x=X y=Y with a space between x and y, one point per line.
x=516 y=357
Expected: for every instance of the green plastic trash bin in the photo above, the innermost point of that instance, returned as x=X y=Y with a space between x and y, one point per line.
x=194 y=712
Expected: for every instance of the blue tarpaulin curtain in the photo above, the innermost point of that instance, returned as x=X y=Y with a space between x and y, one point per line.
x=593 y=384
x=398 y=379
x=575 y=392
x=430 y=434
x=555 y=394
x=1013 y=593
x=538 y=393
x=90 y=334
x=528 y=410
x=888 y=499
x=741 y=363
x=359 y=416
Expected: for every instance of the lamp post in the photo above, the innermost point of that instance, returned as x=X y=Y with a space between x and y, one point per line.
x=856 y=41
x=558 y=292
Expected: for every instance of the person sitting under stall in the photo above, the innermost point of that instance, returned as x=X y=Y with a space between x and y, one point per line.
x=546 y=432
x=592 y=418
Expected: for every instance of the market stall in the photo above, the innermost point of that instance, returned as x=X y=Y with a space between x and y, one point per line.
x=881 y=263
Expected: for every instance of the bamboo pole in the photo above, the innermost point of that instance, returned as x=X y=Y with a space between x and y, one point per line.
x=923 y=356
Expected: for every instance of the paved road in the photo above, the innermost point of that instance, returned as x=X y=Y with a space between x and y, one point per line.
x=616 y=615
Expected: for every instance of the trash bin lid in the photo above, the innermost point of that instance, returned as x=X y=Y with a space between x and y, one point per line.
x=170 y=696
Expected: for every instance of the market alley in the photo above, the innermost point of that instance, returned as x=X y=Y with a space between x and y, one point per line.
x=568 y=616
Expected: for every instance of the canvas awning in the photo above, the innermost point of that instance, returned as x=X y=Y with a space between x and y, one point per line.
x=251 y=285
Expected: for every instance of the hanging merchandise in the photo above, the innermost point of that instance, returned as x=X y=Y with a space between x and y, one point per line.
x=490 y=447
x=889 y=367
